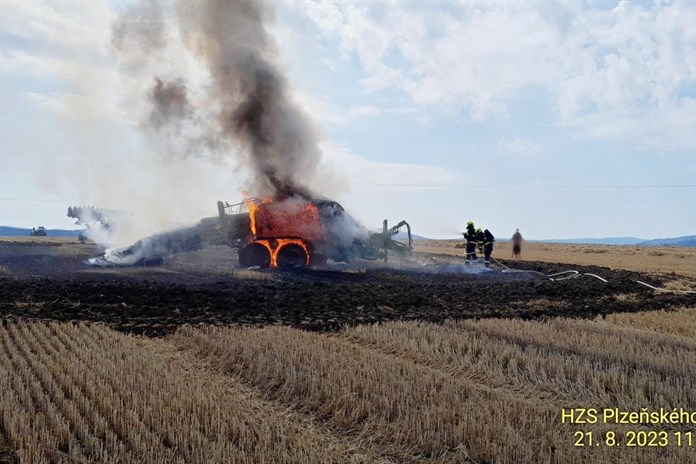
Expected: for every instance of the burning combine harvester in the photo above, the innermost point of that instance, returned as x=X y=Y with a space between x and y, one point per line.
x=290 y=233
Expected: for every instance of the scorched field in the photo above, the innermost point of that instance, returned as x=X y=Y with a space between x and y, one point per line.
x=196 y=361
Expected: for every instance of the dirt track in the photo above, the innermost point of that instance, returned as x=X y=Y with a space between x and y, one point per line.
x=52 y=282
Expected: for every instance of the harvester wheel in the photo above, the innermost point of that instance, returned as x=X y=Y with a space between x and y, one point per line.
x=254 y=254
x=291 y=256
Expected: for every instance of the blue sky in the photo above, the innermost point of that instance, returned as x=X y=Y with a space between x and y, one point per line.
x=535 y=115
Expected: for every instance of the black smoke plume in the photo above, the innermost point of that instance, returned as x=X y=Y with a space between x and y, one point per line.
x=252 y=106
x=169 y=102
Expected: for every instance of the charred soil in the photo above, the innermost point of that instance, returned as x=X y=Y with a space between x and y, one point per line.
x=40 y=283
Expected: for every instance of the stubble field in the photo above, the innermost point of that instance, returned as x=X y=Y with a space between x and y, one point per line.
x=467 y=391
x=678 y=260
x=435 y=379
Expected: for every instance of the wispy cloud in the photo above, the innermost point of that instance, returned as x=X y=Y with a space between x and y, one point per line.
x=518 y=146
x=331 y=115
x=359 y=172
x=60 y=26
x=82 y=107
x=610 y=72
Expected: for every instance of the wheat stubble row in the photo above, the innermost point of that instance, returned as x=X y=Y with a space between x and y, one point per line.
x=488 y=391
x=78 y=392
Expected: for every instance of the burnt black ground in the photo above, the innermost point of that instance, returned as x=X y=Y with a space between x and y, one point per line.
x=49 y=283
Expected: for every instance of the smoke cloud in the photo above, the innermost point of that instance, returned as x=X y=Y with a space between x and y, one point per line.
x=138 y=32
x=169 y=101
x=245 y=108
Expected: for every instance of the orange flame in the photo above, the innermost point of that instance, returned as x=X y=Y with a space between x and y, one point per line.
x=276 y=225
x=252 y=207
x=283 y=242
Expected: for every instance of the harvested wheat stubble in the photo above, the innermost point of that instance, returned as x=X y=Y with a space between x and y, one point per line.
x=86 y=393
x=411 y=411
x=529 y=370
x=681 y=322
x=563 y=379
x=416 y=392
x=598 y=340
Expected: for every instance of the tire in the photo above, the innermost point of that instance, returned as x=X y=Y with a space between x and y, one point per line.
x=291 y=256
x=254 y=254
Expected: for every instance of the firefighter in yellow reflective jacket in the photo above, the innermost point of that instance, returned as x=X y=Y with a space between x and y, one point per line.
x=470 y=236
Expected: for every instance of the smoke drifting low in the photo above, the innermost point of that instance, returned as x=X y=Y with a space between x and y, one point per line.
x=245 y=108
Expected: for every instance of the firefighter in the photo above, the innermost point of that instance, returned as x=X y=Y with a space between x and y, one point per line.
x=470 y=236
x=480 y=239
x=488 y=246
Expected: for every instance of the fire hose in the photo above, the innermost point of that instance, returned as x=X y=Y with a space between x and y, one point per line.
x=666 y=289
x=572 y=274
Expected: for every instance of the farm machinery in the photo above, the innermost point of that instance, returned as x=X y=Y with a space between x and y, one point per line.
x=290 y=233
x=38 y=232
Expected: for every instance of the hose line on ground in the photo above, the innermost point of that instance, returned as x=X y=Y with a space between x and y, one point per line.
x=666 y=289
x=572 y=274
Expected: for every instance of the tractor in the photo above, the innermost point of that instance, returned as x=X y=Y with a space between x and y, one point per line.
x=38 y=231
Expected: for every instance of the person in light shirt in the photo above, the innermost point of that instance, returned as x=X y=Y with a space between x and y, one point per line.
x=516 y=244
